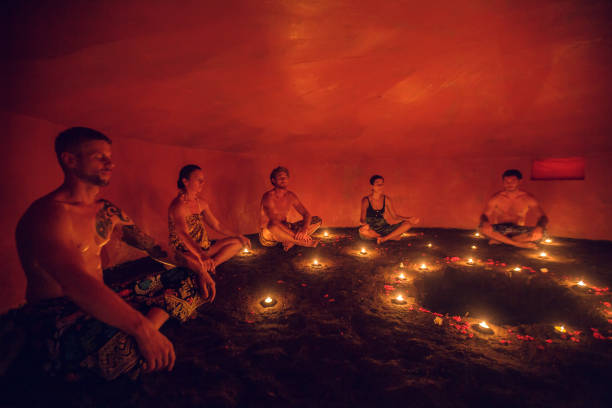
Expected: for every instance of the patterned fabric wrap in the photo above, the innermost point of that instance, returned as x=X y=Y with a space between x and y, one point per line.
x=381 y=226
x=266 y=238
x=196 y=230
x=66 y=341
x=511 y=229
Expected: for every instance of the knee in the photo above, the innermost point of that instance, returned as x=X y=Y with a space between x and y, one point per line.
x=364 y=228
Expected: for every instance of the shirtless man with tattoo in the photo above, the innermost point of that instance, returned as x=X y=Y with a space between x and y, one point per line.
x=275 y=206
x=503 y=219
x=59 y=240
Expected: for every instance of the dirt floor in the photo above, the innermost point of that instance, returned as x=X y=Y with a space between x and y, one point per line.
x=335 y=337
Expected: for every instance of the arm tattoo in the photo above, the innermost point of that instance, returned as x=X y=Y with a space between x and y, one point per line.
x=104 y=218
x=133 y=236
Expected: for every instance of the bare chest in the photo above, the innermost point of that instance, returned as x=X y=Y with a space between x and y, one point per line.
x=509 y=207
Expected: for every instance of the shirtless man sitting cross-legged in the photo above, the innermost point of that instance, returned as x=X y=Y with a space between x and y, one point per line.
x=76 y=324
x=503 y=219
x=275 y=206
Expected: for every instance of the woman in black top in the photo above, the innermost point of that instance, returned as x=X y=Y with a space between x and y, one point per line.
x=376 y=213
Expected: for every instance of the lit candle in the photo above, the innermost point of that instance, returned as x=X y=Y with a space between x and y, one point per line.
x=470 y=261
x=402 y=276
x=399 y=300
x=581 y=283
x=484 y=325
x=477 y=234
x=429 y=245
x=316 y=264
x=517 y=269
x=543 y=255
x=268 y=302
x=548 y=240
x=326 y=234
x=560 y=329
x=363 y=251
x=474 y=247
x=245 y=250
x=423 y=267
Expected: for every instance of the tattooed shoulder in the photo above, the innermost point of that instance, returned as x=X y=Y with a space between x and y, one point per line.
x=104 y=218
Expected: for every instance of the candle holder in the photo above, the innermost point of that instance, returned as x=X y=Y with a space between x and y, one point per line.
x=401 y=276
x=268 y=302
x=517 y=269
x=399 y=300
x=316 y=265
x=474 y=247
x=542 y=255
x=423 y=267
x=560 y=329
x=429 y=245
x=246 y=252
x=470 y=262
x=363 y=252
x=483 y=328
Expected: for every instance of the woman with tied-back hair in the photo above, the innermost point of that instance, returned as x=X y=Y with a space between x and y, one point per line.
x=187 y=216
x=378 y=217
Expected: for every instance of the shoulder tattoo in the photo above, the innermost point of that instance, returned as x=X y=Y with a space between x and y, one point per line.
x=104 y=218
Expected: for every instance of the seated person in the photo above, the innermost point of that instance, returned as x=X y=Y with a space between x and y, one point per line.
x=376 y=213
x=275 y=206
x=186 y=218
x=76 y=324
x=503 y=219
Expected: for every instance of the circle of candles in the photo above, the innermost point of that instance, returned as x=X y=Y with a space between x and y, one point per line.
x=268 y=302
x=560 y=329
x=399 y=300
x=470 y=261
x=483 y=327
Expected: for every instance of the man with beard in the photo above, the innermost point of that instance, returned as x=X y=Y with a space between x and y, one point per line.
x=503 y=219
x=76 y=323
x=275 y=206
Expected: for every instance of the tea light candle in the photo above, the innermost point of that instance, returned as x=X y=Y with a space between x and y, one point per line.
x=477 y=234
x=483 y=327
x=581 y=284
x=474 y=247
x=548 y=240
x=470 y=261
x=517 y=269
x=363 y=251
x=423 y=267
x=543 y=255
x=326 y=234
x=268 y=302
x=316 y=264
x=429 y=245
x=399 y=300
x=560 y=329
x=401 y=276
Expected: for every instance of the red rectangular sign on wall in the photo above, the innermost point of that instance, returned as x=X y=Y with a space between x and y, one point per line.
x=568 y=168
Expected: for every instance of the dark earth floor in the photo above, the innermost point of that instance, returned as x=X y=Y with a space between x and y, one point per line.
x=335 y=339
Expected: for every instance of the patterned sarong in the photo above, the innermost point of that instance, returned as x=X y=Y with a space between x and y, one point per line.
x=64 y=340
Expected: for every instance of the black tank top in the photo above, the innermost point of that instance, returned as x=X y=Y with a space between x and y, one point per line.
x=372 y=213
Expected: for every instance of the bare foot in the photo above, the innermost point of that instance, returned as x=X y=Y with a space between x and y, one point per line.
x=288 y=245
x=312 y=243
x=494 y=242
x=530 y=245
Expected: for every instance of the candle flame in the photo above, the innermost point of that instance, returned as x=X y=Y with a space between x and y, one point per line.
x=268 y=299
x=245 y=250
x=477 y=234
x=402 y=276
x=560 y=329
x=542 y=254
x=548 y=240
x=474 y=247
x=400 y=298
x=325 y=234
x=429 y=245
x=470 y=261
x=517 y=269
x=423 y=266
x=401 y=264
x=581 y=283
x=363 y=251
x=483 y=324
